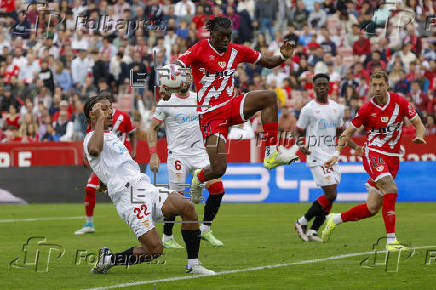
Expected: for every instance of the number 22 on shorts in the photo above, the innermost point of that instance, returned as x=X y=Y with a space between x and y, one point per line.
x=138 y=211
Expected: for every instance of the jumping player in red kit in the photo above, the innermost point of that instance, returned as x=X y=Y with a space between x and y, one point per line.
x=213 y=63
x=383 y=119
x=123 y=127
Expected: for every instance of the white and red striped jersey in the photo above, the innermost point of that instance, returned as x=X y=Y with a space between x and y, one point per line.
x=213 y=72
x=384 y=125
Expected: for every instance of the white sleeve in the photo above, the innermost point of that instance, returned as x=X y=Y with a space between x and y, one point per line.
x=304 y=119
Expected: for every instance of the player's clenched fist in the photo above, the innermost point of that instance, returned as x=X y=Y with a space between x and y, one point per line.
x=164 y=94
x=287 y=49
x=154 y=163
x=418 y=140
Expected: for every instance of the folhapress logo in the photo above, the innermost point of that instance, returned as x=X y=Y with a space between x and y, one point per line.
x=38 y=254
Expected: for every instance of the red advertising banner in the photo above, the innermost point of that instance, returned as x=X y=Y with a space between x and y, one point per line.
x=71 y=153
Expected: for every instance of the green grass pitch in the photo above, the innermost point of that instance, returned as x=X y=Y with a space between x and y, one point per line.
x=254 y=235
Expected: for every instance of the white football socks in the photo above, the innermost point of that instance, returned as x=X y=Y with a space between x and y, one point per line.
x=192 y=262
x=302 y=221
x=390 y=238
x=269 y=150
x=89 y=219
x=166 y=238
x=204 y=228
x=337 y=219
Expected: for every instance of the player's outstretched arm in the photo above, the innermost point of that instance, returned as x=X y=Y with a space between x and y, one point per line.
x=351 y=144
x=152 y=143
x=95 y=144
x=420 y=131
x=342 y=142
x=286 y=51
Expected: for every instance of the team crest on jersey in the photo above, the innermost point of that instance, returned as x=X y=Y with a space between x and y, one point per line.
x=380 y=168
x=222 y=64
x=384 y=119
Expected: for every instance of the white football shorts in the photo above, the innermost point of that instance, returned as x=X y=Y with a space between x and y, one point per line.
x=140 y=204
x=324 y=176
x=180 y=166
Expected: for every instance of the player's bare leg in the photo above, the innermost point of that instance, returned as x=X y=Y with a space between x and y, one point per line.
x=177 y=205
x=319 y=210
x=266 y=103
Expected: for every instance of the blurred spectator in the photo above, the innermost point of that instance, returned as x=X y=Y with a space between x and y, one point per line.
x=12 y=135
x=362 y=47
x=63 y=106
x=80 y=124
x=184 y=8
x=406 y=55
x=46 y=75
x=7 y=99
x=50 y=134
x=317 y=17
x=265 y=12
x=29 y=129
x=62 y=77
x=299 y=15
x=80 y=68
x=63 y=128
x=22 y=27
x=419 y=98
x=403 y=85
x=12 y=119
x=31 y=68
x=430 y=125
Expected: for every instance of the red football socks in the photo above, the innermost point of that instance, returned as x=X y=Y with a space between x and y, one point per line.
x=356 y=213
x=200 y=176
x=325 y=203
x=89 y=200
x=388 y=211
x=270 y=132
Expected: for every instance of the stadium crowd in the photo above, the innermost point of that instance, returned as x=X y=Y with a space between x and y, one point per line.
x=54 y=56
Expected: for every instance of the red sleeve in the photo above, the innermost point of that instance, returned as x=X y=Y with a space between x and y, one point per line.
x=247 y=54
x=190 y=55
x=130 y=127
x=359 y=119
x=408 y=109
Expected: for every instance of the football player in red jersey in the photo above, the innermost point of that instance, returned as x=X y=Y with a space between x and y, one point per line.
x=123 y=127
x=213 y=63
x=383 y=119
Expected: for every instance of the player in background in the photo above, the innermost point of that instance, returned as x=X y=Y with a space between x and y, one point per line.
x=123 y=127
x=137 y=201
x=213 y=63
x=186 y=153
x=322 y=119
x=383 y=119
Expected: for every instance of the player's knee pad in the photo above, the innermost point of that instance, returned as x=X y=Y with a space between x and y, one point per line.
x=216 y=188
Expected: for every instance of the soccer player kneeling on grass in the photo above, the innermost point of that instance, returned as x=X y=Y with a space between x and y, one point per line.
x=137 y=201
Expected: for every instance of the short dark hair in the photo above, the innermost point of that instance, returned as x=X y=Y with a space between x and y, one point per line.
x=378 y=75
x=93 y=100
x=321 y=75
x=219 y=21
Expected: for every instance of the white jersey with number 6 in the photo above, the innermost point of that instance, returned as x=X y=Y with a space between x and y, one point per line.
x=186 y=151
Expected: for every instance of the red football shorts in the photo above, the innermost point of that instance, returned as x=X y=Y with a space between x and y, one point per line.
x=379 y=165
x=218 y=120
x=93 y=181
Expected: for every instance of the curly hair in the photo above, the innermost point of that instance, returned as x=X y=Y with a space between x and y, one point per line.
x=219 y=21
x=93 y=100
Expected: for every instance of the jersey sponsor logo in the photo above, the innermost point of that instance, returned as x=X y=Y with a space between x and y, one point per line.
x=222 y=64
x=388 y=129
x=182 y=118
x=218 y=74
x=326 y=124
